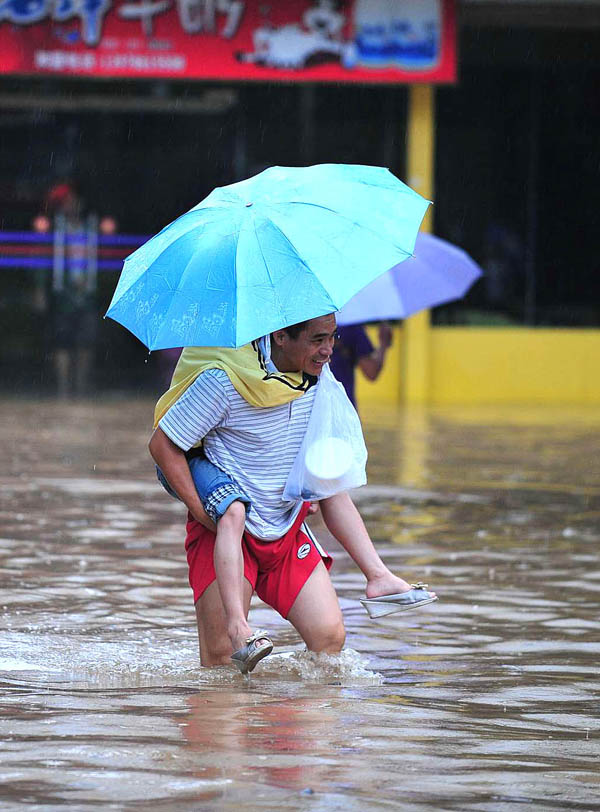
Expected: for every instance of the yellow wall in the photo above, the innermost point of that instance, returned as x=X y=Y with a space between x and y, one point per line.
x=497 y=365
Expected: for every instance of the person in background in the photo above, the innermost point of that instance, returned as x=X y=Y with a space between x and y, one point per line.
x=69 y=296
x=166 y=363
x=353 y=348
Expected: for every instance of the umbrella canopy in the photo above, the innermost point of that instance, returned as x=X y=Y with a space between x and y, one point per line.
x=438 y=272
x=289 y=244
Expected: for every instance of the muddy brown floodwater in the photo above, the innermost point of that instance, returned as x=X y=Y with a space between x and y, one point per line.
x=486 y=700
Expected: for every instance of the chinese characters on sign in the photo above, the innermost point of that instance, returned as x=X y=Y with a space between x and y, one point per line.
x=89 y=12
x=194 y=15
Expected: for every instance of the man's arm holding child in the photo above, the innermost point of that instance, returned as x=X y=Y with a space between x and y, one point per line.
x=201 y=408
x=173 y=463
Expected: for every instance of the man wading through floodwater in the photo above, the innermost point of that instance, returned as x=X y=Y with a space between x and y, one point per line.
x=249 y=409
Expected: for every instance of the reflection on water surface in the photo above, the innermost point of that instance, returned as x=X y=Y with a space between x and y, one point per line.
x=485 y=700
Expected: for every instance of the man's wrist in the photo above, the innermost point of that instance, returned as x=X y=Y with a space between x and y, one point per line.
x=202 y=517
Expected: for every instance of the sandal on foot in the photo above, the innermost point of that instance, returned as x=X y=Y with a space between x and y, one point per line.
x=247 y=657
x=399 y=602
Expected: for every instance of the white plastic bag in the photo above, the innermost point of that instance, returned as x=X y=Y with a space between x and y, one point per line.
x=333 y=455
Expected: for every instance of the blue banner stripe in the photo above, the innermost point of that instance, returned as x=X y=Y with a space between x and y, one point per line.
x=44 y=262
x=25 y=236
x=48 y=237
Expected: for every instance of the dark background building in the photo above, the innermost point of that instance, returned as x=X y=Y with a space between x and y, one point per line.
x=516 y=174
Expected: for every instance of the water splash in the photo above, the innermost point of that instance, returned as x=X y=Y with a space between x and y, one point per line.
x=155 y=661
x=346 y=668
x=93 y=663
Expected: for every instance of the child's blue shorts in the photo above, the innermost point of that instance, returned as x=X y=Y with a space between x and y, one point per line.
x=216 y=489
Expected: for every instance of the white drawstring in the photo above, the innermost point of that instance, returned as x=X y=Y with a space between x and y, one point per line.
x=265 y=347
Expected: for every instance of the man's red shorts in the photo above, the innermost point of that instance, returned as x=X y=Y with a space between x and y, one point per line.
x=277 y=570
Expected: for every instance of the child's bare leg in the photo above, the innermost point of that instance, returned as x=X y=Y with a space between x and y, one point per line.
x=344 y=522
x=229 y=567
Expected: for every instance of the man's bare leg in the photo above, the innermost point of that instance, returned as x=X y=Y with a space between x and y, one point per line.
x=316 y=613
x=346 y=525
x=229 y=567
x=214 y=642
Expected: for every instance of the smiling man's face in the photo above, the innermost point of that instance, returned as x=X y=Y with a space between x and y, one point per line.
x=309 y=351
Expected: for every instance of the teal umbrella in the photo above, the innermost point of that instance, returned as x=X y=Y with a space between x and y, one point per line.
x=289 y=244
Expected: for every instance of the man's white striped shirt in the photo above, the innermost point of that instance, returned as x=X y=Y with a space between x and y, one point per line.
x=255 y=446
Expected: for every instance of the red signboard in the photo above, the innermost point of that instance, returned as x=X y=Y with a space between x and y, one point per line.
x=377 y=41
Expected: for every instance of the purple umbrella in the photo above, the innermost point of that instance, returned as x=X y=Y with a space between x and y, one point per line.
x=438 y=272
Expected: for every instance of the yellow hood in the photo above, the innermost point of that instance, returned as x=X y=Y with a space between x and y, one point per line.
x=245 y=368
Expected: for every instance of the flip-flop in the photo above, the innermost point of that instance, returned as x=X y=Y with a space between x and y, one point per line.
x=398 y=602
x=247 y=657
